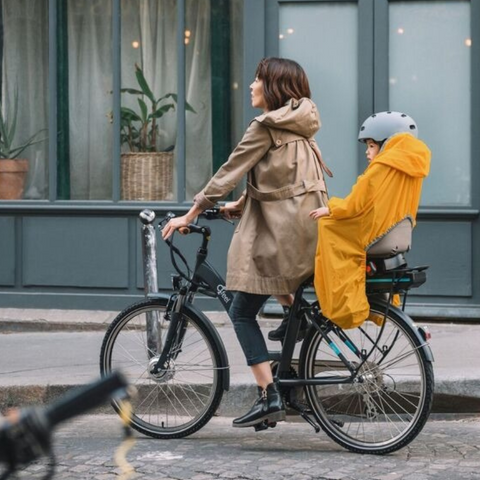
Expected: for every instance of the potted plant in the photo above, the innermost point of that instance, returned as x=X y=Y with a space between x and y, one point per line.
x=13 y=169
x=147 y=169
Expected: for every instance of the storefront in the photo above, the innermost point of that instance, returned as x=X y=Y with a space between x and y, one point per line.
x=72 y=240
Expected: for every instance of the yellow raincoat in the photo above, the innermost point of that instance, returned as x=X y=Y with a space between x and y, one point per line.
x=387 y=192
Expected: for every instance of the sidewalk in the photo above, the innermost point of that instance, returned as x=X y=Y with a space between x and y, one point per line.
x=45 y=352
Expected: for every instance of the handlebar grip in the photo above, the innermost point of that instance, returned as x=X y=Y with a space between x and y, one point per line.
x=184 y=230
x=84 y=398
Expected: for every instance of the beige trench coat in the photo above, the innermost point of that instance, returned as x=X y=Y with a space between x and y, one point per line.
x=273 y=247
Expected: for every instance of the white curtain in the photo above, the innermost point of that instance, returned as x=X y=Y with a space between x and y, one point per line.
x=198 y=83
x=25 y=70
x=90 y=98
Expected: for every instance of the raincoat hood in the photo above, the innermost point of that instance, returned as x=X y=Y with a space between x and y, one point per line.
x=297 y=116
x=406 y=153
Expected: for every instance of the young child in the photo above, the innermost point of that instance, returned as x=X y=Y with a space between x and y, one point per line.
x=386 y=194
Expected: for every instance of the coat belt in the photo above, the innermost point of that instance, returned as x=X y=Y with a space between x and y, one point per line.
x=286 y=192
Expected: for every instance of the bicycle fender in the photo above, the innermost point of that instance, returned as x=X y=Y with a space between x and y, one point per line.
x=201 y=317
x=381 y=305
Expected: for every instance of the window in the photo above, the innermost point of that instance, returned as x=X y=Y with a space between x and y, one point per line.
x=24 y=96
x=429 y=78
x=168 y=51
x=322 y=37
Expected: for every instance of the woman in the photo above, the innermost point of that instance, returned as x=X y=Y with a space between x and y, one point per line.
x=273 y=248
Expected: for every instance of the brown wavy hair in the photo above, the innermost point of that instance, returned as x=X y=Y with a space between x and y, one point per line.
x=283 y=79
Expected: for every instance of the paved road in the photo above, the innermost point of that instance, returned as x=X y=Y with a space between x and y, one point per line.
x=445 y=450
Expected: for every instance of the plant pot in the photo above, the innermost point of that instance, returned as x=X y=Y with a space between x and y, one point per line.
x=12 y=178
x=147 y=176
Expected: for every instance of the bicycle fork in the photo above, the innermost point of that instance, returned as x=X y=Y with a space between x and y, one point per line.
x=176 y=331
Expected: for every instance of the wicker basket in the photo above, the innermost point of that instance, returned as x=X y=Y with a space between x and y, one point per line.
x=147 y=176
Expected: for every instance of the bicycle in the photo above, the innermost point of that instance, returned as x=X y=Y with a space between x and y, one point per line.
x=370 y=388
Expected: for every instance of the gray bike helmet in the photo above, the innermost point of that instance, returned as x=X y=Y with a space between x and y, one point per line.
x=382 y=125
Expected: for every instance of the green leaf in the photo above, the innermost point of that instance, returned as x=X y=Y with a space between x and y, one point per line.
x=133 y=91
x=143 y=83
x=189 y=107
x=128 y=113
x=170 y=95
x=163 y=109
x=13 y=127
x=175 y=98
x=3 y=135
x=144 y=109
x=15 y=152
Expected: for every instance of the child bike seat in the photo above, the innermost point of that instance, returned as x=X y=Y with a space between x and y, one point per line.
x=398 y=240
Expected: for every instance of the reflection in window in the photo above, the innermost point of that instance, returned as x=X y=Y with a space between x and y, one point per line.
x=314 y=34
x=24 y=86
x=430 y=80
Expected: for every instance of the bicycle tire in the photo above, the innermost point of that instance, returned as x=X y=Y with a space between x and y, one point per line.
x=389 y=407
x=186 y=396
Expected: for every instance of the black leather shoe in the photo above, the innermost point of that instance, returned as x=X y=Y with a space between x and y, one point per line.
x=278 y=334
x=269 y=407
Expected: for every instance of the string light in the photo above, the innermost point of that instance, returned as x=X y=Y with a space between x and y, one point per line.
x=135 y=44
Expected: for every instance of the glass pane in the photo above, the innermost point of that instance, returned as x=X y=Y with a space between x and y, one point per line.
x=84 y=99
x=214 y=87
x=430 y=80
x=236 y=70
x=199 y=84
x=322 y=37
x=24 y=96
x=149 y=112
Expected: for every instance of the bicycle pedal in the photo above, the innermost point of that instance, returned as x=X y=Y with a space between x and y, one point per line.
x=261 y=426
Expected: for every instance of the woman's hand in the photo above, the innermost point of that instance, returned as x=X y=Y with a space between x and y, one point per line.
x=319 y=213
x=233 y=210
x=179 y=222
x=175 y=224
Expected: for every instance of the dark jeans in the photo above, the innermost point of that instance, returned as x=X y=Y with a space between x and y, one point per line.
x=243 y=313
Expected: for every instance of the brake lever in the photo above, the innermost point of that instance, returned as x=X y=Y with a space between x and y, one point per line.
x=166 y=219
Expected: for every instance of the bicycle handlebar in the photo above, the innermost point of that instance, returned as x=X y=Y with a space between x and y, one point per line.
x=85 y=398
x=25 y=437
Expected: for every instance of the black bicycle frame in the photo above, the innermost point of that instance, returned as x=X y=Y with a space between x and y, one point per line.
x=207 y=280
x=206 y=275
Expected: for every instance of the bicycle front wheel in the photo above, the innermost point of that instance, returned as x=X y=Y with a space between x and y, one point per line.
x=388 y=402
x=180 y=399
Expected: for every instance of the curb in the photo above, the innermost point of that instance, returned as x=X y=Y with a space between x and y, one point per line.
x=448 y=398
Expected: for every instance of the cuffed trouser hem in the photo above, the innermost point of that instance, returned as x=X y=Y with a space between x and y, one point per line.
x=255 y=361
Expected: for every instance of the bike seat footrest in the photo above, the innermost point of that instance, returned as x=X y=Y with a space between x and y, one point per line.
x=396 y=281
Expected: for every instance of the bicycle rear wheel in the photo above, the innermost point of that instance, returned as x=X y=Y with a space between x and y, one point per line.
x=179 y=400
x=387 y=405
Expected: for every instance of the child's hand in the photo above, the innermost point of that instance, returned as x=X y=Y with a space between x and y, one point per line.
x=319 y=213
